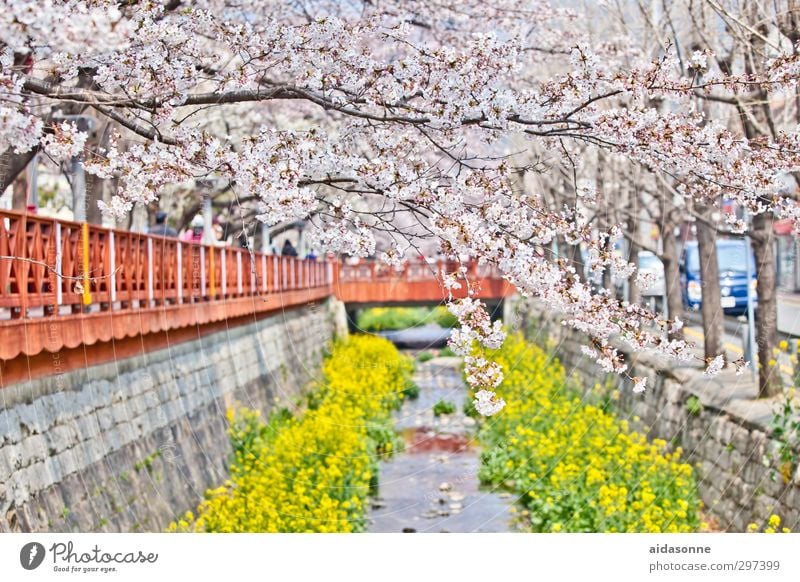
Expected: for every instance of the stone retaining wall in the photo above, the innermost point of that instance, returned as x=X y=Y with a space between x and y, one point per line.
x=722 y=428
x=127 y=446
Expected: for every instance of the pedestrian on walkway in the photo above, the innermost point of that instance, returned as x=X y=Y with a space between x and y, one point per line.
x=195 y=231
x=288 y=249
x=161 y=228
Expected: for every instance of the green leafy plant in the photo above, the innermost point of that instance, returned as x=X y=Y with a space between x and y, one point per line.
x=396 y=318
x=785 y=428
x=385 y=440
x=443 y=407
x=411 y=391
x=469 y=408
x=425 y=356
x=147 y=462
x=694 y=406
x=444 y=318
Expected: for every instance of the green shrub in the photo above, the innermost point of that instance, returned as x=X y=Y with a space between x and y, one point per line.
x=411 y=391
x=694 y=406
x=425 y=356
x=444 y=318
x=443 y=407
x=395 y=318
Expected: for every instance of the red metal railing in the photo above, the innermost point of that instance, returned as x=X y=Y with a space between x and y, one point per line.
x=66 y=284
x=44 y=269
x=416 y=282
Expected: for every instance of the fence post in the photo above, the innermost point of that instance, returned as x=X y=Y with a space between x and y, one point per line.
x=87 y=291
x=223 y=264
x=179 y=250
x=202 y=272
x=213 y=273
x=253 y=273
x=149 y=271
x=239 y=272
x=59 y=256
x=112 y=263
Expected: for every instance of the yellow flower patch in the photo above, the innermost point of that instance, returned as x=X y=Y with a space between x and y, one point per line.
x=576 y=467
x=311 y=474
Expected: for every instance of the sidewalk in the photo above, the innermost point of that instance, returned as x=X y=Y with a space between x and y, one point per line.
x=789 y=313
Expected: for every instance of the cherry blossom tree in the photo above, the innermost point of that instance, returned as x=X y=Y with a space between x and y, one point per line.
x=353 y=114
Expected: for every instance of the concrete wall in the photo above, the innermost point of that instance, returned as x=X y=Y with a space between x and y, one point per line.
x=129 y=445
x=721 y=426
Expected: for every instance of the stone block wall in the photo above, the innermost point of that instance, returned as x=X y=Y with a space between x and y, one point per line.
x=130 y=445
x=717 y=421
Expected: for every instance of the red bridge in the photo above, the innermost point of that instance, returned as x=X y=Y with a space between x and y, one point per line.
x=73 y=294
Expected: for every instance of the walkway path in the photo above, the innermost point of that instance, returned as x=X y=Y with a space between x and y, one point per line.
x=433 y=485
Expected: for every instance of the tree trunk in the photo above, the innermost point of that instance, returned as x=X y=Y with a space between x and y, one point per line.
x=19 y=193
x=608 y=279
x=759 y=123
x=572 y=255
x=11 y=165
x=672 y=275
x=94 y=193
x=634 y=293
x=711 y=306
x=769 y=377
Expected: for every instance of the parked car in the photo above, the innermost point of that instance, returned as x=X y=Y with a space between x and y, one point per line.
x=732 y=262
x=651 y=264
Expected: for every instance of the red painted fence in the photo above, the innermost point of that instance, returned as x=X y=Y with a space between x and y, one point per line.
x=66 y=284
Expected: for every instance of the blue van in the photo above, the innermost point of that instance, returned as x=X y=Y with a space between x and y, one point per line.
x=732 y=262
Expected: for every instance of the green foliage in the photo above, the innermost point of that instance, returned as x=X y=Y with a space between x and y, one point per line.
x=249 y=429
x=425 y=356
x=443 y=407
x=396 y=318
x=785 y=428
x=444 y=318
x=694 y=406
x=469 y=408
x=446 y=352
x=147 y=462
x=384 y=439
x=411 y=391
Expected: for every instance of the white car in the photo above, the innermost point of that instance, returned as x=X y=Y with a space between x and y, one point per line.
x=651 y=264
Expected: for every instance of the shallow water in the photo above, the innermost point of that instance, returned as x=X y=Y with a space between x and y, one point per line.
x=433 y=485
x=427 y=336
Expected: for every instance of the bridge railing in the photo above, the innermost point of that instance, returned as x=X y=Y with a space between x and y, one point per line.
x=52 y=268
x=413 y=271
x=73 y=285
x=370 y=282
